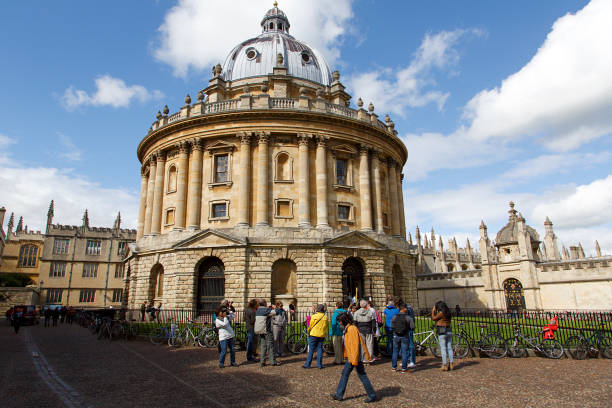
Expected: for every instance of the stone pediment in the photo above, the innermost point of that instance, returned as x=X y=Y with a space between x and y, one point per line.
x=220 y=146
x=210 y=238
x=355 y=239
x=344 y=148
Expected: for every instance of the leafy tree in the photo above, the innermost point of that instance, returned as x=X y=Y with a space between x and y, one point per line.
x=16 y=280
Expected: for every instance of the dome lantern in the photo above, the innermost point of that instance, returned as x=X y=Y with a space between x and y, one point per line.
x=275 y=20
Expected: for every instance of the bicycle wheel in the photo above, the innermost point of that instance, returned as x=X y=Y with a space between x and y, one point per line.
x=175 y=339
x=552 y=348
x=201 y=338
x=156 y=336
x=211 y=339
x=434 y=347
x=461 y=346
x=240 y=339
x=605 y=347
x=516 y=348
x=494 y=346
x=382 y=347
x=328 y=348
x=114 y=332
x=576 y=347
x=296 y=343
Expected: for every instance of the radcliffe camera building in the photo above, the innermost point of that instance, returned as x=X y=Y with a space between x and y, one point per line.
x=269 y=185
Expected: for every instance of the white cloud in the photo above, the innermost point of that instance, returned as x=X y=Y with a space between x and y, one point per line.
x=5 y=142
x=553 y=164
x=27 y=191
x=109 y=92
x=586 y=206
x=563 y=95
x=70 y=150
x=194 y=37
x=397 y=90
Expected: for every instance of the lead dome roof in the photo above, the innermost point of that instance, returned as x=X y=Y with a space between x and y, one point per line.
x=509 y=233
x=257 y=56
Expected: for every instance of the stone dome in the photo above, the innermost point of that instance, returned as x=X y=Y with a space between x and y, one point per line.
x=509 y=233
x=258 y=56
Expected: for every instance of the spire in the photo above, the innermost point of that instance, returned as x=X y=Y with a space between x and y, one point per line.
x=467 y=245
x=19 y=225
x=566 y=255
x=580 y=251
x=86 y=219
x=597 y=249
x=433 y=236
x=418 y=234
x=512 y=211
x=50 y=215
x=11 y=222
x=117 y=224
x=409 y=238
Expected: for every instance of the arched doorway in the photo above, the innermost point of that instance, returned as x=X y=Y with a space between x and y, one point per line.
x=211 y=284
x=156 y=283
x=515 y=299
x=352 y=279
x=284 y=279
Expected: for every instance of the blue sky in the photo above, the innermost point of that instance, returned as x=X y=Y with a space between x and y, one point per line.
x=495 y=100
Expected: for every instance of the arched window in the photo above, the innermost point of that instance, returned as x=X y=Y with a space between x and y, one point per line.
x=450 y=267
x=271 y=26
x=284 y=278
x=464 y=267
x=211 y=284
x=172 y=179
x=352 y=279
x=284 y=167
x=27 y=256
x=156 y=283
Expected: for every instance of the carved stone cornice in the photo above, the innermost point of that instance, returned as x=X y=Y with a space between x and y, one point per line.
x=364 y=149
x=183 y=147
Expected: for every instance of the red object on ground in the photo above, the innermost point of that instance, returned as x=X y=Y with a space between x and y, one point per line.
x=551 y=328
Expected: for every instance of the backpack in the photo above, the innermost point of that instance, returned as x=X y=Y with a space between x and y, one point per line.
x=401 y=326
x=378 y=317
x=260 y=324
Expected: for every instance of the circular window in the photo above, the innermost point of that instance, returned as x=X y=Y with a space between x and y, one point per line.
x=306 y=57
x=251 y=53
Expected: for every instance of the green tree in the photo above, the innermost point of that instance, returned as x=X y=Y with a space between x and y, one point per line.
x=16 y=280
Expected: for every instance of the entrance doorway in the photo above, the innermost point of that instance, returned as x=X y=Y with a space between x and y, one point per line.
x=515 y=299
x=352 y=279
x=211 y=284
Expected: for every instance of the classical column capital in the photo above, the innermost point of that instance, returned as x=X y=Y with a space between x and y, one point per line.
x=263 y=137
x=144 y=169
x=322 y=140
x=304 y=139
x=183 y=147
x=197 y=144
x=152 y=160
x=391 y=163
x=364 y=149
x=245 y=137
x=161 y=156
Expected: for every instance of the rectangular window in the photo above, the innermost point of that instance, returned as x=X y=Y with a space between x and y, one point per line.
x=57 y=270
x=385 y=220
x=27 y=256
x=93 y=247
x=60 y=246
x=117 y=295
x=341 y=171
x=119 y=270
x=169 y=217
x=54 y=295
x=90 y=270
x=344 y=212
x=221 y=166
x=219 y=210
x=87 y=295
x=283 y=209
x=122 y=248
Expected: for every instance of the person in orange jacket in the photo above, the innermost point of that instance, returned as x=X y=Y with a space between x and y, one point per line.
x=353 y=346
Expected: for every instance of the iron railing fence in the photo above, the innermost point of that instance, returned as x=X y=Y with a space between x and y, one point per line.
x=532 y=322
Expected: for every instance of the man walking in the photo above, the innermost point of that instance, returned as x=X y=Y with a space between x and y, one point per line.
x=390 y=312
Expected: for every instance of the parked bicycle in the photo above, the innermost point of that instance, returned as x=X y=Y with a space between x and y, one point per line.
x=517 y=345
x=161 y=333
x=492 y=344
x=580 y=347
x=297 y=343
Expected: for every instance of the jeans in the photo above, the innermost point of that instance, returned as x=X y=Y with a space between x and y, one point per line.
x=446 y=346
x=412 y=349
x=389 y=334
x=267 y=347
x=279 y=340
x=250 y=348
x=346 y=372
x=315 y=343
x=225 y=344
x=404 y=345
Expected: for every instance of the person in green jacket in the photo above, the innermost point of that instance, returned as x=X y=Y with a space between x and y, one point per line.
x=336 y=332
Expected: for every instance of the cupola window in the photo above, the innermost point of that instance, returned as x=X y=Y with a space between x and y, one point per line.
x=271 y=26
x=306 y=57
x=251 y=53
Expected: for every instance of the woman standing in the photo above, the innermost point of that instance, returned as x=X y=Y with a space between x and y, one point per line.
x=279 y=327
x=441 y=314
x=226 y=336
x=336 y=333
x=316 y=335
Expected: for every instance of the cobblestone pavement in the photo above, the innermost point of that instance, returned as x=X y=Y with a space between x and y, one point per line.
x=67 y=366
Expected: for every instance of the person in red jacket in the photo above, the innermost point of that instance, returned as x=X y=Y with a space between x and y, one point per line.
x=354 y=346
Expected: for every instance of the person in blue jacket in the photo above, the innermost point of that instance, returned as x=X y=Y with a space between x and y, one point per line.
x=390 y=312
x=336 y=332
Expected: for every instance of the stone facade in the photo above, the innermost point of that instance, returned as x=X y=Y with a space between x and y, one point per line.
x=2 y=233
x=519 y=271
x=22 y=250
x=82 y=266
x=270 y=183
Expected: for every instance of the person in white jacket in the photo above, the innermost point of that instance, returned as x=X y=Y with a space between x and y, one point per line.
x=226 y=336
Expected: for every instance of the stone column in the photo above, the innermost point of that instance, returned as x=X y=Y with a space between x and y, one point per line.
x=303 y=181
x=150 y=190
x=400 y=193
x=364 y=189
x=244 y=179
x=321 y=166
x=378 y=193
x=181 y=185
x=393 y=200
x=158 y=194
x=262 y=179
x=144 y=181
x=195 y=184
